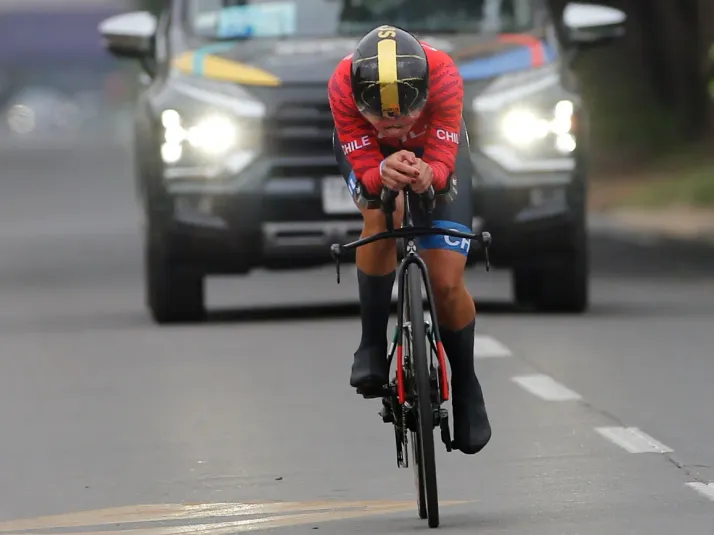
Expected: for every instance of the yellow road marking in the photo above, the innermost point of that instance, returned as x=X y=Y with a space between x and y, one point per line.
x=307 y=512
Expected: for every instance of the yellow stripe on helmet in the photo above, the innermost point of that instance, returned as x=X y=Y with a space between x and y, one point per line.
x=387 y=64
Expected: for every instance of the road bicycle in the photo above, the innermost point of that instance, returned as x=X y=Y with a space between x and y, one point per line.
x=412 y=401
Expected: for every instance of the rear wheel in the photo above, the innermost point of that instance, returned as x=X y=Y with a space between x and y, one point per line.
x=423 y=439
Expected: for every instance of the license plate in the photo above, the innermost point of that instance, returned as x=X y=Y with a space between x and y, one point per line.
x=336 y=197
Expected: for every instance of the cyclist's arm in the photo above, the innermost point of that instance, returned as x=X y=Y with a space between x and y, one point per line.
x=446 y=104
x=355 y=134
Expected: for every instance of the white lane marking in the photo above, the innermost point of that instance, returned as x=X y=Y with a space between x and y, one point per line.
x=705 y=489
x=488 y=347
x=545 y=387
x=633 y=440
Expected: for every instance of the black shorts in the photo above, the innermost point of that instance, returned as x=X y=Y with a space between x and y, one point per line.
x=454 y=213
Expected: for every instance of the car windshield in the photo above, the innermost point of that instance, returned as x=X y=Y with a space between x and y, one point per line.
x=245 y=19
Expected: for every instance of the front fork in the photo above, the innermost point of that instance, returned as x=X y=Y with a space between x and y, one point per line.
x=399 y=411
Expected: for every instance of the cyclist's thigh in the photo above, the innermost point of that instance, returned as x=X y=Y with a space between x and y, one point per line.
x=457 y=214
x=345 y=168
x=349 y=175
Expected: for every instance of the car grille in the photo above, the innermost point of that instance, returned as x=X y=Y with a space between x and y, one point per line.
x=301 y=129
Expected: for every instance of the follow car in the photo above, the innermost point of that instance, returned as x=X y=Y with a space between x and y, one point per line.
x=234 y=162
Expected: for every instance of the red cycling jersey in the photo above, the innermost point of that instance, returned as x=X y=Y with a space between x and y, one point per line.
x=436 y=131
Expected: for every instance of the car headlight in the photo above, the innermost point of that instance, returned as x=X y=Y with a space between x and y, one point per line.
x=526 y=122
x=209 y=129
x=525 y=128
x=212 y=135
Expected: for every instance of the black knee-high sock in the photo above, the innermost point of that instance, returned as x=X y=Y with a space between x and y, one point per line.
x=375 y=295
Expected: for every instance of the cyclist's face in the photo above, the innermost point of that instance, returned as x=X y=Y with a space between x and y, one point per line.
x=396 y=127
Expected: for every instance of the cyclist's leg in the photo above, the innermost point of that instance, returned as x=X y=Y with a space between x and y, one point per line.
x=446 y=260
x=376 y=267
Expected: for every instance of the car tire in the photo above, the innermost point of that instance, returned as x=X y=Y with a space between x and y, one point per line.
x=174 y=294
x=560 y=285
x=524 y=282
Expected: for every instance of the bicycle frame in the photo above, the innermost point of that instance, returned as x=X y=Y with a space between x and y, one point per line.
x=410 y=256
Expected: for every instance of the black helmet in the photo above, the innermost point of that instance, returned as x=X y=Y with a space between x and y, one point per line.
x=390 y=73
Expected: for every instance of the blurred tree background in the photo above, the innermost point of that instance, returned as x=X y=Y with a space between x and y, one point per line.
x=652 y=109
x=648 y=92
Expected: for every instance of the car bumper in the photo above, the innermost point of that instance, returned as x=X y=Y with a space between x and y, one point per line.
x=534 y=218
x=260 y=217
x=273 y=213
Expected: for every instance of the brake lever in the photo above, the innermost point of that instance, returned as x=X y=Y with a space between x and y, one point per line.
x=388 y=200
x=428 y=203
x=336 y=252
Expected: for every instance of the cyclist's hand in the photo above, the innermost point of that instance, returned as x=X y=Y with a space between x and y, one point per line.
x=399 y=170
x=424 y=178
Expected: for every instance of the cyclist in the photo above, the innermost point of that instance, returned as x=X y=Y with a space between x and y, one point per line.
x=397 y=107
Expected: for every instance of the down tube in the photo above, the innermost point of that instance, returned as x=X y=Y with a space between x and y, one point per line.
x=444 y=378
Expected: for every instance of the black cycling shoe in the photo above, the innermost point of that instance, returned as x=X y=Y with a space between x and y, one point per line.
x=370 y=373
x=472 y=429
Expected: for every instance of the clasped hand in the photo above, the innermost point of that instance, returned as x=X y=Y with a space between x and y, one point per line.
x=403 y=169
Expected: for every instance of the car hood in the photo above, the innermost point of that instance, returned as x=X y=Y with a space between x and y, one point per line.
x=264 y=62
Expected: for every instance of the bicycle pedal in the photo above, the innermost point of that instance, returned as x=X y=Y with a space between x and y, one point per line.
x=387 y=414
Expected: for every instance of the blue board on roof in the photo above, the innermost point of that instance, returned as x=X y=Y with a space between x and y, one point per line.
x=270 y=19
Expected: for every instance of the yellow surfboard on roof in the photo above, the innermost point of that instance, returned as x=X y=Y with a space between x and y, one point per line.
x=217 y=68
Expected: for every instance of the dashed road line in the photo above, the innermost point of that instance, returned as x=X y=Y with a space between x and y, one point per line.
x=488 y=347
x=705 y=489
x=633 y=440
x=545 y=387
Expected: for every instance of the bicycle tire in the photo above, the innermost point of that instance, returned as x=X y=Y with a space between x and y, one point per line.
x=424 y=416
x=418 y=477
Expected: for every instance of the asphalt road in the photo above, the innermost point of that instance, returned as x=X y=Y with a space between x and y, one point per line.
x=116 y=424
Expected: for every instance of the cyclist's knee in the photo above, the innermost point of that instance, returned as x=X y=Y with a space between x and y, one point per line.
x=375 y=220
x=446 y=271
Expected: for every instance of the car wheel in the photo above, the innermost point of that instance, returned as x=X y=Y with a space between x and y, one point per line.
x=174 y=294
x=524 y=282
x=560 y=285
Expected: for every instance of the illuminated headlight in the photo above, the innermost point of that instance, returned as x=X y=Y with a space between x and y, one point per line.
x=525 y=128
x=212 y=135
x=526 y=122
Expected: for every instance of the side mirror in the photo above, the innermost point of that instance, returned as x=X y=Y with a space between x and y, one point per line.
x=592 y=24
x=129 y=35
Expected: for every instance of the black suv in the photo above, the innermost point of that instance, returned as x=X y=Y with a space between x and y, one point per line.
x=234 y=162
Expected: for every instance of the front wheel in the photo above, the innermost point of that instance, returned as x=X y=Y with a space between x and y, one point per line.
x=423 y=439
x=418 y=467
x=560 y=286
x=174 y=294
